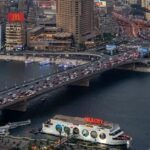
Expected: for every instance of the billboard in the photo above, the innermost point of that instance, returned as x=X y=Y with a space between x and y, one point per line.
x=15 y=17
x=100 y=3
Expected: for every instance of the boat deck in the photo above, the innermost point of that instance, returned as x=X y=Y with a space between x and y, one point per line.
x=82 y=121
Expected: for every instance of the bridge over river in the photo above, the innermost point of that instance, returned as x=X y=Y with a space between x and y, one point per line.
x=16 y=98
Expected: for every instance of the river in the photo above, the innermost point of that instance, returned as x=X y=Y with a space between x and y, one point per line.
x=118 y=96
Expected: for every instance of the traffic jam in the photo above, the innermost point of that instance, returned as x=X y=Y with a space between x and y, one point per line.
x=67 y=77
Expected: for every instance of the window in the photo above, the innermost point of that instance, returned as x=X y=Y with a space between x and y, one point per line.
x=116 y=132
x=85 y=132
x=75 y=131
x=59 y=128
x=94 y=134
x=102 y=136
x=67 y=130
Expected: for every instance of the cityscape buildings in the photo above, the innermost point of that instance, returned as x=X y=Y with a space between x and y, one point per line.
x=15 y=32
x=15 y=36
x=49 y=38
x=76 y=17
x=146 y=5
x=3 y=10
x=63 y=43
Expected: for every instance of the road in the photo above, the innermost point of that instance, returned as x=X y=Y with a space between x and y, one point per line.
x=48 y=83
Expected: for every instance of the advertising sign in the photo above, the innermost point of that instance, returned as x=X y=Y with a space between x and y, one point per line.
x=93 y=120
x=15 y=17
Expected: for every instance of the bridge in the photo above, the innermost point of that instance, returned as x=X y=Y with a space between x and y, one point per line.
x=16 y=98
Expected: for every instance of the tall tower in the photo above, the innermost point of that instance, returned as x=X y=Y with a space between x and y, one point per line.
x=15 y=31
x=3 y=10
x=77 y=17
x=146 y=4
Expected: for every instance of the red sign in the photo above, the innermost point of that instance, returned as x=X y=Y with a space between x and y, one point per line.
x=15 y=17
x=94 y=120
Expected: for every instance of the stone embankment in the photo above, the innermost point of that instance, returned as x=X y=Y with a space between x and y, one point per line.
x=41 y=59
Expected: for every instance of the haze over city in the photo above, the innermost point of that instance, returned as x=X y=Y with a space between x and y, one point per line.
x=74 y=74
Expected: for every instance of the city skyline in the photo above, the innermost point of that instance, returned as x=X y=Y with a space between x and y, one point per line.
x=67 y=66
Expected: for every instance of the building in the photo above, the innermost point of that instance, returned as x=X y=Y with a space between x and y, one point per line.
x=47 y=7
x=76 y=17
x=45 y=3
x=49 y=39
x=2 y=35
x=15 y=36
x=131 y=2
x=3 y=10
x=15 y=31
x=146 y=5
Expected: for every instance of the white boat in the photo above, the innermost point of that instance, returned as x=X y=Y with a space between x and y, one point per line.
x=4 y=130
x=18 y=124
x=87 y=129
x=44 y=62
x=28 y=61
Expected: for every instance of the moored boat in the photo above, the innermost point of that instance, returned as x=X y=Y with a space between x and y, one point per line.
x=87 y=129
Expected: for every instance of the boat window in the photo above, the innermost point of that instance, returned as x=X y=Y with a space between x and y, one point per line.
x=85 y=132
x=102 y=136
x=116 y=132
x=46 y=125
x=75 y=131
x=67 y=130
x=59 y=128
x=94 y=134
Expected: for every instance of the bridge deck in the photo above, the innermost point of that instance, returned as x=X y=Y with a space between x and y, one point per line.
x=27 y=92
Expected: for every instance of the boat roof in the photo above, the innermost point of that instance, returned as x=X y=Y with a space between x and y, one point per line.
x=82 y=121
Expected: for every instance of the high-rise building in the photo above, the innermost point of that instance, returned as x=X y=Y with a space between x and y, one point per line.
x=146 y=5
x=77 y=17
x=2 y=34
x=15 y=31
x=3 y=10
x=45 y=3
x=132 y=2
x=15 y=36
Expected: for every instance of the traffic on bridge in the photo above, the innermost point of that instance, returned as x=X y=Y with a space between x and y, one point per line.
x=40 y=86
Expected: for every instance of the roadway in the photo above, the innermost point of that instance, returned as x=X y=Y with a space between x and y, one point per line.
x=28 y=91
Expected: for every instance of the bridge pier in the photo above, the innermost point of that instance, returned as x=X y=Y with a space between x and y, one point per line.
x=22 y=107
x=84 y=83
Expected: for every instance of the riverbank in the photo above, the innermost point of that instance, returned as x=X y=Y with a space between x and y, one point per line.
x=31 y=59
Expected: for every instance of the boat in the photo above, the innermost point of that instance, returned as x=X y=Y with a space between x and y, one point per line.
x=18 y=124
x=4 y=130
x=87 y=129
x=44 y=62
x=28 y=61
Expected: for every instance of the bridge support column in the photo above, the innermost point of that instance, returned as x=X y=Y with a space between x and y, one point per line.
x=84 y=83
x=22 y=107
x=134 y=66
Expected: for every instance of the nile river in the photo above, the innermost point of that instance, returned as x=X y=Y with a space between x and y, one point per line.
x=118 y=96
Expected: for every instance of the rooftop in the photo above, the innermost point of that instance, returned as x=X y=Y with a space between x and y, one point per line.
x=84 y=121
